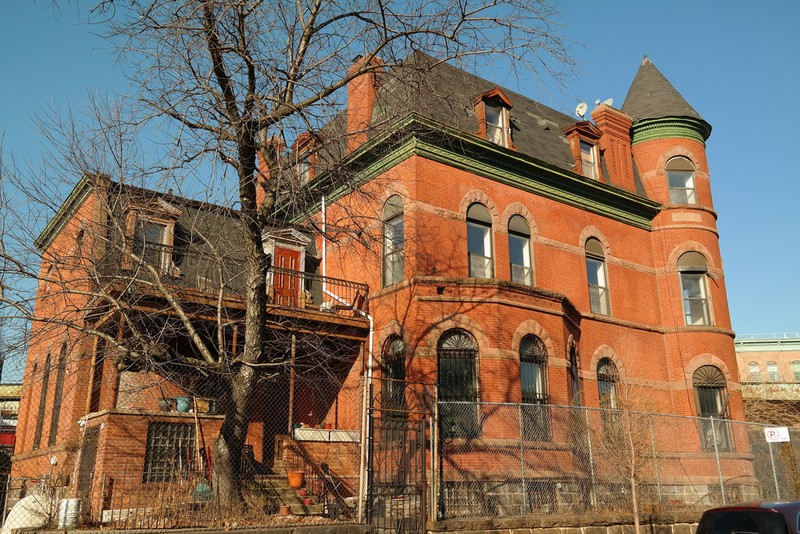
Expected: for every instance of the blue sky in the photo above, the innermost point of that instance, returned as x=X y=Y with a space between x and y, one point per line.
x=735 y=63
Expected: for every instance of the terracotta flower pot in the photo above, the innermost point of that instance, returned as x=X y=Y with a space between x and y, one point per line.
x=296 y=479
x=303 y=492
x=285 y=509
x=308 y=501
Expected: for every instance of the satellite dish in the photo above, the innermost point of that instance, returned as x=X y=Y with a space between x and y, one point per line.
x=608 y=102
x=581 y=109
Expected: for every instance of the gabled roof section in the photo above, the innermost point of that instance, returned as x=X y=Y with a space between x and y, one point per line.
x=651 y=96
x=65 y=212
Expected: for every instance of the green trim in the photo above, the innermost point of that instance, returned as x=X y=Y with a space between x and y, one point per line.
x=67 y=211
x=420 y=136
x=670 y=128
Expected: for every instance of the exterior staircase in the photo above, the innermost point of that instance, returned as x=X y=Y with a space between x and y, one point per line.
x=278 y=483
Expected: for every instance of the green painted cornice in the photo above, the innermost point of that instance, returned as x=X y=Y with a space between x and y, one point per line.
x=77 y=196
x=671 y=127
x=420 y=136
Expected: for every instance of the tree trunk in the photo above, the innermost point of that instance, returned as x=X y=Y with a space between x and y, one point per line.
x=244 y=367
x=227 y=472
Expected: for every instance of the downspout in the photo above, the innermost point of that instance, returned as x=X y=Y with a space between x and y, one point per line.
x=370 y=364
x=324 y=248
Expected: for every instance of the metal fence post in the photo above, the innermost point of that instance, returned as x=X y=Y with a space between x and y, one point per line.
x=434 y=483
x=522 y=455
x=716 y=454
x=655 y=456
x=593 y=493
x=774 y=472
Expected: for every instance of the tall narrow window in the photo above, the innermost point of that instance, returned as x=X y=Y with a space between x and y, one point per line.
x=693 y=268
x=772 y=372
x=57 y=394
x=589 y=160
x=712 y=405
x=533 y=379
x=519 y=250
x=497 y=124
x=680 y=175
x=796 y=370
x=37 y=436
x=457 y=354
x=607 y=383
x=393 y=241
x=394 y=370
x=479 y=241
x=574 y=376
x=753 y=372
x=596 y=275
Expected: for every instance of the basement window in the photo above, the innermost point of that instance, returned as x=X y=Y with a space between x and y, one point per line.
x=170 y=451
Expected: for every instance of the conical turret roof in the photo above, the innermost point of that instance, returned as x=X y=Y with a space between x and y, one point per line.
x=651 y=96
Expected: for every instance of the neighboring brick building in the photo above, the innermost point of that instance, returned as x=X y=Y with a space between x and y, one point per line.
x=769 y=370
x=512 y=254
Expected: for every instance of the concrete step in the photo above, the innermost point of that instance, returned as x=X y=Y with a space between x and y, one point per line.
x=303 y=509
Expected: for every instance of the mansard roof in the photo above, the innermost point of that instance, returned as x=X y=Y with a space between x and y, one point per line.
x=447 y=94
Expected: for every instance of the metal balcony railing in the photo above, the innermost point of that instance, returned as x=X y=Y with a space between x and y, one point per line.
x=297 y=289
x=208 y=273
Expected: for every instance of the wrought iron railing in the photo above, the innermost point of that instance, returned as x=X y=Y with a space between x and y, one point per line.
x=210 y=273
x=297 y=289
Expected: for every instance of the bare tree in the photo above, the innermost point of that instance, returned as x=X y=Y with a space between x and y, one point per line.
x=232 y=82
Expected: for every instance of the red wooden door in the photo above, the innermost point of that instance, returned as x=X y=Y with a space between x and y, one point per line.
x=286 y=284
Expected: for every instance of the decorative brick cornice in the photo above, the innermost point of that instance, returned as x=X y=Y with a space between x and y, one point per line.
x=423 y=137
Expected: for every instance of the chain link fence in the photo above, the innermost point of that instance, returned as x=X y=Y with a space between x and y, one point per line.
x=148 y=460
x=522 y=459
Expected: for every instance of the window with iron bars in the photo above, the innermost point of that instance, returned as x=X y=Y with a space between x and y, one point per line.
x=533 y=379
x=458 y=384
x=170 y=451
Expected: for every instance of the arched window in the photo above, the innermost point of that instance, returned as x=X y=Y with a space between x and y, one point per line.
x=772 y=372
x=479 y=241
x=711 y=397
x=393 y=241
x=533 y=379
x=680 y=175
x=753 y=372
x=457 y=354
x=796 y=370
x=394 y=370
x=519 y=250
x=596 y=275
x=607 y=380
x=693 y=268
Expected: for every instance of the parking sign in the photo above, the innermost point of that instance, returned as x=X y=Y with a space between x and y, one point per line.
x=777 y=434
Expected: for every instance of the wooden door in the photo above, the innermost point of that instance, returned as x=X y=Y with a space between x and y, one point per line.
x=285 y=283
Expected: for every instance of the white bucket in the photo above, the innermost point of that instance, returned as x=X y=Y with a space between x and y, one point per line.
x=69 y=512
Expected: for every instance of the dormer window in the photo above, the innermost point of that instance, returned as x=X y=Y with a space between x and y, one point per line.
x=583 y=140
x=589 y=160
x=151 y=234
x=152 y=243
x=305 y=156
x=494 y=119
x=497 y=124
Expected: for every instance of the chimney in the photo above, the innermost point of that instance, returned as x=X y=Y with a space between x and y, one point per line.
x=361 y=93
x=615 y=143
x=271 y=148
